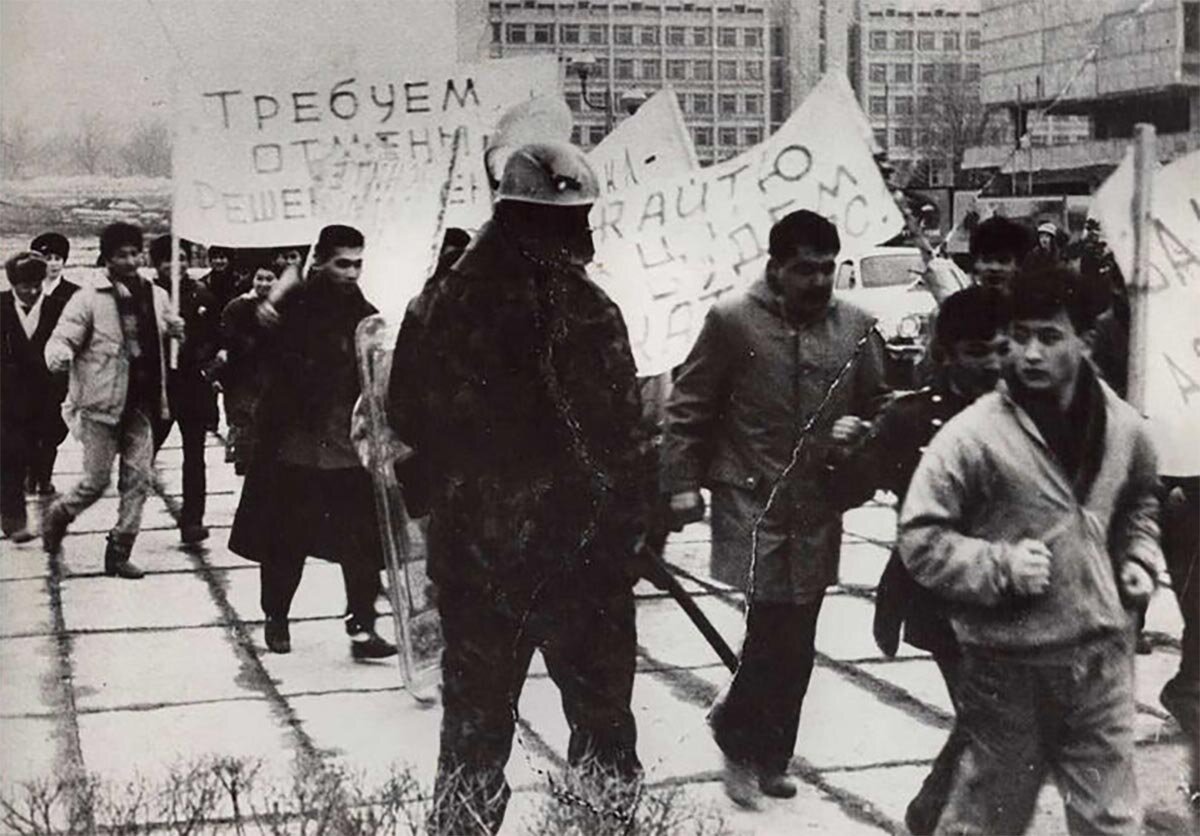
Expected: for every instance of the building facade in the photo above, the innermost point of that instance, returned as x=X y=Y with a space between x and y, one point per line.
x=1109 y=64
x=714 y=55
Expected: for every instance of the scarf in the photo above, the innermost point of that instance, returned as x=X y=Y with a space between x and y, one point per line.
x=139 y=328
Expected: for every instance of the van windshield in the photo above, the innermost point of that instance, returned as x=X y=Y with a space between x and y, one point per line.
x=889 y=270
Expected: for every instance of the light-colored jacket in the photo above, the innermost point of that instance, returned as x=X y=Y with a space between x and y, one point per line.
x=89 y=341
x=988 y=481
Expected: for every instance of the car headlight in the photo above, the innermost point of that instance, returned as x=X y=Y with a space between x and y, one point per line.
x=909 y=328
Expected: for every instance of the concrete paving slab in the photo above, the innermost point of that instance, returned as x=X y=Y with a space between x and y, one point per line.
x=372 y=732
x=156 y=668
x=811 y=811
x=28 y=750
x=871 y=522
x=28 y=676
x=890 y=789
x=672 y=742
x=322 y=592
x=667 y=634
x=106 y=603
x=844 y=630
x=320 y=660
x=1151 y=673
x=123 y=746
x=861 y=564
x=24 y=607
x=217 y=553
x=1165 y=800
x=844 y=725
x=1163 y=616
x=23 y=560
x=919 y=677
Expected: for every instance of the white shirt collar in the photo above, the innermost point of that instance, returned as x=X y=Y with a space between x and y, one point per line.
x=29 y=321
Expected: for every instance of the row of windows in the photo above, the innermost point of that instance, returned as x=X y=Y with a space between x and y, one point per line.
x=702 y=135
x=926 y=138
x=904 y=105
x=597 y=34
x=678 y=69
x=926 y=41
x=701 y=104
x=926 y=73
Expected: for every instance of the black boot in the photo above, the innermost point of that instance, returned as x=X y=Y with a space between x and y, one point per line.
x=117 y=563
x=365 y=643
x=277 y=635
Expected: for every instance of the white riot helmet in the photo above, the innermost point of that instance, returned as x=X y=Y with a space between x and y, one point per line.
x=549 y=174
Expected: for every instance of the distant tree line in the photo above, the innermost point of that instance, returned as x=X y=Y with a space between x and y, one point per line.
x=93 y=145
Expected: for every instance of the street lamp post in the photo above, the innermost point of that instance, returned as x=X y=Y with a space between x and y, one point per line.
x=631 y=100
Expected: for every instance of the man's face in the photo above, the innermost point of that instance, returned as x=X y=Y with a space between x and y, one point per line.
x=344 y=265
x=124 y=261
x=264 y=280
x=54 y=265
x=27 y=292
x=163 y=269
x=1045 y=240
x=219 y=262
x=995 y=270
x=1091 y=234
x=805 y=279
x=974 y=365
x=1046 y=353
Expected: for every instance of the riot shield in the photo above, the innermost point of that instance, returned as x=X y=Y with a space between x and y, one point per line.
x=418 y=630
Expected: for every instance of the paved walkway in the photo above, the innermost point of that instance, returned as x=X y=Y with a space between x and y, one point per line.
x=125 y=680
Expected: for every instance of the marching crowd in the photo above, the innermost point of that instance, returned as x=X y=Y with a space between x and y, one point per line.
x=1034 y=523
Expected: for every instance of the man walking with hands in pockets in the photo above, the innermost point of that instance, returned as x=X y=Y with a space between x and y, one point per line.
x=1034 y=511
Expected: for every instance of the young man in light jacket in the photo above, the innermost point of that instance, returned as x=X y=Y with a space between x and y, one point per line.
x=110 y=337
x=1034 y=512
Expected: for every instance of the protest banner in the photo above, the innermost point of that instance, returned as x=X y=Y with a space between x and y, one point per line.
x=1172 y=296
x=667 y=249
x=246 y=148
x=651 y=144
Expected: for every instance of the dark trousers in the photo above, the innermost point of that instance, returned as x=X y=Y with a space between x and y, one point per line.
x=45 y=449
x=279 y=578
x=755 y=721
x=588 y=638
x=926 y=808
x=15 y=462
x=1181 y=548
x=195 y=478
x=1027 y=720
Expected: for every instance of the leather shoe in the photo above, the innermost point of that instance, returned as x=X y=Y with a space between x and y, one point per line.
x=741 y=785
x=277 y=636
x=191 y=534
x=371 y=645
x=777 y=786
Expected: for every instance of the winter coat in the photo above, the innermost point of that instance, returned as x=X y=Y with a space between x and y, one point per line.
x=29 y=390
x=988 y=480
x=741 y=399
x=190 y=393
x=515 y=383
x=89 y=341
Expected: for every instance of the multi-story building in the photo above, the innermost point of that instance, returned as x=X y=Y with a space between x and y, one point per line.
x=808 y=38
x=1110 y=63
x=712 y=53
x=918 y=81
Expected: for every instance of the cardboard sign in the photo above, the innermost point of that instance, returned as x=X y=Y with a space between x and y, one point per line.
x=666 y=250
x=653 y=143
x=1172 y=295
x=246 y=149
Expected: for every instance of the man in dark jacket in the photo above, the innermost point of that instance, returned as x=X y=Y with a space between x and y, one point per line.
x=971 y=345
x=193 y=402
x=26 y=383
x=1034 y=510
x=754 y=416
x=56 y=291
x=520 y=391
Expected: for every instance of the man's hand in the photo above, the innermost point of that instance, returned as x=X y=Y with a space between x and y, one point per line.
x=1136 y=584
x=848 y=429
x=175 y=326
x=686 y=507
x=1029 y=568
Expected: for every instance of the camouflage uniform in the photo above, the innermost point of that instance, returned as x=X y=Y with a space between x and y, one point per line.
x=514 y=381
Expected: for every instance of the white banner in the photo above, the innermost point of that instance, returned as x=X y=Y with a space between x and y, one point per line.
x=1173 y=298
x=246 y=148
x=652 y=144
x=666 y=250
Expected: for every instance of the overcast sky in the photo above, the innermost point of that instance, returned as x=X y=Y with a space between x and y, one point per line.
x=61 y=58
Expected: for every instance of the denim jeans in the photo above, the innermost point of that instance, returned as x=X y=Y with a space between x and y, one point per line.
x=133 y=440
x=1071 y=719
